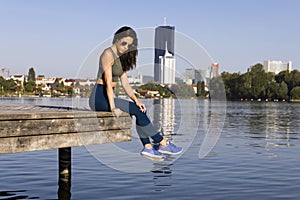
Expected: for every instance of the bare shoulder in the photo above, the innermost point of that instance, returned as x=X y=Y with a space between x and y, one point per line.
x=107 y=60
x=107 y=55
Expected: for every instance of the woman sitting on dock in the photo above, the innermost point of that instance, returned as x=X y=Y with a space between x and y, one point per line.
x=114 y=63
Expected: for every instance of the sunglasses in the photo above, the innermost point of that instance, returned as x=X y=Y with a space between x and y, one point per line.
x=125 y=43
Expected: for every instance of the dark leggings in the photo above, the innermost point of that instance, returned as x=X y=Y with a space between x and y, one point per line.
x=99 y=102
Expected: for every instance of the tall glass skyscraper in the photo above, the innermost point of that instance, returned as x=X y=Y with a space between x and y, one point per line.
x=163 y=35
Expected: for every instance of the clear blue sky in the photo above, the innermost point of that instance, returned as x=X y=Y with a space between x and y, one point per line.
x=55 y=36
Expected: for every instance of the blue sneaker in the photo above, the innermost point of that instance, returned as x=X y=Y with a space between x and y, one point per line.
x=170 y=149
x=152 y=153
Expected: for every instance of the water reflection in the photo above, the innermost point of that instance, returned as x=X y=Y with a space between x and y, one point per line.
x=64 y=173
x=163 y=116
x=64 y=188
x=162 y=174
x=276 y=125
x=234 y=173
x=270 y=125
x=214 y=117
x=14 y=195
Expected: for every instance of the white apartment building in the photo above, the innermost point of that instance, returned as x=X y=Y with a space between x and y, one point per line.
x=167 y=67
x=277 y=66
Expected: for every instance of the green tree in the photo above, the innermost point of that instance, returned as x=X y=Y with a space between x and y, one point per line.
x=281 y=76
x=273 y=91
x=231 y=84
x=70 y=91
x=163 y=90
x=7 y=85
x=31 y=75
x=295 y=93
x=259 y=81
x=29 y=86
x=295 y=79
x=182 y=90
x=217 y=89
x=292 y=79
x=283 y=91
x=2 y=81
x=200 y=89
x=244 y=86
x=149 y=86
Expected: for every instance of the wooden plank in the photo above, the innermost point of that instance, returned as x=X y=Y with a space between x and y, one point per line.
x=42 y=142
x=14 y=115
x=24 y=127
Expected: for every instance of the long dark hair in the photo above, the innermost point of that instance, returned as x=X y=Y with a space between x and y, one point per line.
x=128 y=59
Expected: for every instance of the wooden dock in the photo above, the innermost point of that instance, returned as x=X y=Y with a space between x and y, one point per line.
x=39 y=127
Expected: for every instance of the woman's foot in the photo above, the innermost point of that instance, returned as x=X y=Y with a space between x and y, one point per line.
x=152 y=153
x=170 y=149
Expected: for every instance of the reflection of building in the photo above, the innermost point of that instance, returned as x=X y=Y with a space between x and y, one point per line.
x=277 y=66
x=168 y=118
x=163 y=34
x=163 y=115
x=276 y=134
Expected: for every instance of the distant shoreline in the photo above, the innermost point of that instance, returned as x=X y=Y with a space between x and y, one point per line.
x=61 y=97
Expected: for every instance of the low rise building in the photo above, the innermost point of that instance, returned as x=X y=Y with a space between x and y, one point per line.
x=18 y=78
x=277 y=66
x=42 y=80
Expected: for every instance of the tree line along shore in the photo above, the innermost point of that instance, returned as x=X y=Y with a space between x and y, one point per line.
x=255 y=84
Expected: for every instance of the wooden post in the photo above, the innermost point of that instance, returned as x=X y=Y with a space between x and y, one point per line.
x=64 y=189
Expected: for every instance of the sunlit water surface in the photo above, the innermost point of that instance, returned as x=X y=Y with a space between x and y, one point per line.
x=256 y=157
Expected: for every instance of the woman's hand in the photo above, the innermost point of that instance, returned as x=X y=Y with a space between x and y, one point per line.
x=141 y=106
x=130 y=93
x=117 y=112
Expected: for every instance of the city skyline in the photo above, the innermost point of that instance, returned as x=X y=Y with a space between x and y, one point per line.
x=55 y=37
x=209 y=73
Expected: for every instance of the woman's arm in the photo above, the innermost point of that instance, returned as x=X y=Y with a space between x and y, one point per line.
x=130 y=93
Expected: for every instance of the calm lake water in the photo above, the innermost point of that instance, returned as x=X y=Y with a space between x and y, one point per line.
x=255 y=155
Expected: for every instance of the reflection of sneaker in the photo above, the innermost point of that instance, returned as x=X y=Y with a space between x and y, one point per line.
x=170 y=149
x=152 y=153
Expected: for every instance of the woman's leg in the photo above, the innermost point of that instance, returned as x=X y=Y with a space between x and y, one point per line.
x=98 y=100
x=144 y=126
